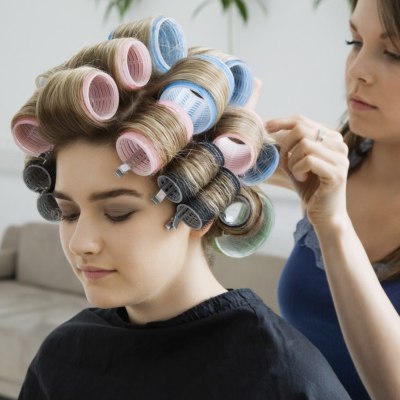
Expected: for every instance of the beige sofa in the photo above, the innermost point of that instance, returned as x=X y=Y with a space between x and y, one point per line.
x=38 y=291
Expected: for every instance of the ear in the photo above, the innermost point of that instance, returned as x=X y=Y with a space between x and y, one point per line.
x=201 y=232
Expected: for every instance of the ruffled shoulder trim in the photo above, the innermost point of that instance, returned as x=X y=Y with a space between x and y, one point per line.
x=306 y=236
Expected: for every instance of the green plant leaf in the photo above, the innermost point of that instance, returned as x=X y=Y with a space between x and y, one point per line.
x=226 y=4
x=242 y=10
x=262 y=5
x=316 y=3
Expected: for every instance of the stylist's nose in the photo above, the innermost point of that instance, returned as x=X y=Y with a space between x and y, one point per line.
x=360 y=66
x=86 y=237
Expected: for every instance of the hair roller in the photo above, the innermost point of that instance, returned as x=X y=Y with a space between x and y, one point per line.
x=239 y=135
x=203 y=95
x=241 y=73
x=199 y=211
x=163 y=37
x=82 y=99
x=182 y=178
x=25 y=130
x=238 y=245
x=181 y=114
x=127 y=60
x=266 y=164
x=48 y=207
x=151 y=141
x=39 y=174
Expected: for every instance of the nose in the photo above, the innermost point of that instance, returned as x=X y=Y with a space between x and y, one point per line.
x=360 y=67
x=85 y=238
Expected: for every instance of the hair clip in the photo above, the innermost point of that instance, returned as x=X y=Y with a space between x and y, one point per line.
x=242 y=246
x=243 y=78
x=26 y=136
x=138 y=154
x=266 y=164
x=177 y=186
x=167 y=43
x=39 y=175
x=48 y=207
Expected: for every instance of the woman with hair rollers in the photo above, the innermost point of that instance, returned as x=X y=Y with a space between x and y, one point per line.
x=130 y=152
x=341 y=286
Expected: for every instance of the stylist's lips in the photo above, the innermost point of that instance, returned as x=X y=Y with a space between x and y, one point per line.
x=359 y=104
x=95 y=273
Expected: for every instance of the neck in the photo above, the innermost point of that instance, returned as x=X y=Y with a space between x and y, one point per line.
x=382 y=165
x=194 y=285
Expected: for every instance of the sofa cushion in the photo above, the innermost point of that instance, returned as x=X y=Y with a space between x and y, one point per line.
x=27 y=315
x=7 y=263
x=41 y=260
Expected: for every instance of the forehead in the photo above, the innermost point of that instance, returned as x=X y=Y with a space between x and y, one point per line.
x=83 y=167
x=365 y=16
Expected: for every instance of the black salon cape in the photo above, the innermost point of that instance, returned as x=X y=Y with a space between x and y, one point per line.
x=229 y=347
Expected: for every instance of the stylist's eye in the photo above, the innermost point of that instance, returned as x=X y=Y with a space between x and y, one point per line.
x=356 y=44
x=393 y=56
x=119 y=217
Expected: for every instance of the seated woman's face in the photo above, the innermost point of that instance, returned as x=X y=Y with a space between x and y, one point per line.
x=112 y=234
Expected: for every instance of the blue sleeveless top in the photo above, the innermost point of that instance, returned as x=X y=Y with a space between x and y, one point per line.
x=305 y=301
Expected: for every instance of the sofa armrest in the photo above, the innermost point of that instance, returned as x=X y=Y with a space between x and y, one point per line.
x=7 y=263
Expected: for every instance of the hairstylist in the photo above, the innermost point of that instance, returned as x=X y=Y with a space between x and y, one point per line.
x=341 y=286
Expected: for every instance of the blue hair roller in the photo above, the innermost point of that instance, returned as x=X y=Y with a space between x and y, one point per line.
x=195 y=100
x=167 y=43
x=224 y=67
x=110 y=36
x=266 y=164
x=243 y=82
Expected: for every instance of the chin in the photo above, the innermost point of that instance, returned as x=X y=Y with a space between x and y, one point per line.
x=362 y=128
x=101 y=300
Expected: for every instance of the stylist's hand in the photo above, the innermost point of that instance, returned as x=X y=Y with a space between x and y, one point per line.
x=315 y=158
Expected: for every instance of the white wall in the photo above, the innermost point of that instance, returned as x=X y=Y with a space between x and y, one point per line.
x=297 y=52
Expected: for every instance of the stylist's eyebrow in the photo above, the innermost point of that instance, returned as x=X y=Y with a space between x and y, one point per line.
x=384 y=35
x=102 y=195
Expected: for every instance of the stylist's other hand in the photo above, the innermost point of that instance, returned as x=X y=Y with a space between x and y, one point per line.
x=315 y=158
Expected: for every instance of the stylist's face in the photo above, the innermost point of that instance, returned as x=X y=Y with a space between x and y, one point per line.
x=112 y=234
x=373 y=76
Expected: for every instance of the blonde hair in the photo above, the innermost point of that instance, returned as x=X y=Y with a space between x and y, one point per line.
x=87 y=97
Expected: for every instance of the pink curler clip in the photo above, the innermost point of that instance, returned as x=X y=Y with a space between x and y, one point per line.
x=26 y=136
x=137 y=154
x=134 y=64
x=100 y=96
x=182 y=114
x=239 y=157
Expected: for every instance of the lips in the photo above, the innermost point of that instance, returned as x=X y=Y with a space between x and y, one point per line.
x=91 y=272
x=359 y=103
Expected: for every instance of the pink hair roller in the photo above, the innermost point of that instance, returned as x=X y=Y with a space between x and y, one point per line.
x=134 y=64
x=137 y=154
x=182 y=114
x=239 y=157
x=26 y=136
x=100 y=96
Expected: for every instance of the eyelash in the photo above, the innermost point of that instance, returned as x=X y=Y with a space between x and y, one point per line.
x=357 y=45
x=113 y=219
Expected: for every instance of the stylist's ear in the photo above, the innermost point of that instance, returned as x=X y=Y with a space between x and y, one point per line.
x=201 y=232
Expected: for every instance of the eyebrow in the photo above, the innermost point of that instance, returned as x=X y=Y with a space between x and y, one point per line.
x=384 y=35
x=109 y=194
